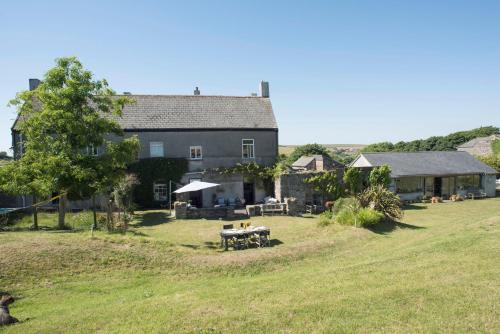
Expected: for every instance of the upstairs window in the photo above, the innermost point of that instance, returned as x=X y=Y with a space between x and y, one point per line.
x=156 y=149
x=195 y=153
x=247 y=149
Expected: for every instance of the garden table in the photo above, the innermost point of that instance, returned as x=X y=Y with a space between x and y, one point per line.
x=229 y=234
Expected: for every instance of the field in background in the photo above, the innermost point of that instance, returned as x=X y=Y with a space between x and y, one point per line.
x=435 y=272
x=334 y=148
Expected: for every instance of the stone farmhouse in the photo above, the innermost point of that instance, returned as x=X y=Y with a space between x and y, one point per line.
x=209 y=131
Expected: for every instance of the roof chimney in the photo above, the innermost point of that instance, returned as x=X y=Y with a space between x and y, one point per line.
x=196 y=91
x=264 y=89
x=34 y=83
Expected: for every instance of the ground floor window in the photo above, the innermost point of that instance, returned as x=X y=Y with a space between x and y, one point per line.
x=465 y=182
x=408 y=185
x=160 y=191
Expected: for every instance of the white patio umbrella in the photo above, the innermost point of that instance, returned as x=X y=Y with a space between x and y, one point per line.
x=195 y=186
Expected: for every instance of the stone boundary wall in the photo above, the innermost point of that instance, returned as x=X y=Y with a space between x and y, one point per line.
x=183 y=212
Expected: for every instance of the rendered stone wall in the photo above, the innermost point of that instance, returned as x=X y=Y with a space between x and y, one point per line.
x=182 y=211
x=293 y=185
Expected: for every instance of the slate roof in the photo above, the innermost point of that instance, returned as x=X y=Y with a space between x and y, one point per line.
x=431 y=163
x=303 y=161
x=198 y=112
x=164 y=112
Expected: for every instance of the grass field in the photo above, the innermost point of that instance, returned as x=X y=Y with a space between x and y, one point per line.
x=438 y=271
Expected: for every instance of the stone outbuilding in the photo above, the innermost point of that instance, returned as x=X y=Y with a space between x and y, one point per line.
x=292 y=183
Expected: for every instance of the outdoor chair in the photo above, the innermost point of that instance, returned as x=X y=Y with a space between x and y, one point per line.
x=240 y=242
x=264 y=240
x=255 y=239
x=221 y=202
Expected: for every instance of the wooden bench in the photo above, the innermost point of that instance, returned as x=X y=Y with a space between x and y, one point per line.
x=476 y=194
x=273 y=208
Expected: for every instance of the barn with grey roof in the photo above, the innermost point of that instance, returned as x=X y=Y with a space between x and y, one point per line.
x=418 y=174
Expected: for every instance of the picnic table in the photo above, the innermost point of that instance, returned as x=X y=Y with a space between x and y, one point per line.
x=241 y=237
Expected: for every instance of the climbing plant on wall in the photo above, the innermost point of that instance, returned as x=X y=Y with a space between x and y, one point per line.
x=153 y=170
x=253 y=171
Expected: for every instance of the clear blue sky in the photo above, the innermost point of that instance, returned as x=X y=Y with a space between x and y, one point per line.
x=339 y=71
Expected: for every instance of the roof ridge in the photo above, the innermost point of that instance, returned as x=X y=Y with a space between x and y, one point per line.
x=193 y=96
x=393 y=152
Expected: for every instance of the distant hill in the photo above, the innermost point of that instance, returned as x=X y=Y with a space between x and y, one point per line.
x=333 y=148
x=435 y=143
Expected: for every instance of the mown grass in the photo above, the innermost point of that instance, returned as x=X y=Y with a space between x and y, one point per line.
x=437 y=271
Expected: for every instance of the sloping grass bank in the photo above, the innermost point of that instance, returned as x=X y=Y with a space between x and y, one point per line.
x=435 y=272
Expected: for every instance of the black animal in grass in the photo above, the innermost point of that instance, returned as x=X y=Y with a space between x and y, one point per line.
x=5 y=317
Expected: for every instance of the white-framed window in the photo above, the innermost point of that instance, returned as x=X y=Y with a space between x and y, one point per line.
x=93 y=150
x=247 y=149
x=156 y=149
x=160 y=191
x=195 y=153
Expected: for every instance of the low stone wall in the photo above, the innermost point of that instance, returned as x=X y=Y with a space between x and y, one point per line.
x=183 y=212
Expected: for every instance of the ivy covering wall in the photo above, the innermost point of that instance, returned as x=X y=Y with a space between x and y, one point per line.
x=152 y=170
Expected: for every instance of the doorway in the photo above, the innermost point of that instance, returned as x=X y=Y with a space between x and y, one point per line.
x=249 y=193
x=438 y=183
x=196 y=198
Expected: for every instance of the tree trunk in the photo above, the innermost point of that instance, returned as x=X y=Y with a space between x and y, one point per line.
x=62 y=212
x=94 y=212
x=35 y=214
x=110 y=215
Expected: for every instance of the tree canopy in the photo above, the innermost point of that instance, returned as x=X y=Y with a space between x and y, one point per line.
x=307 y=150
x=65 y=121
x=380 y=176
x=436 y=143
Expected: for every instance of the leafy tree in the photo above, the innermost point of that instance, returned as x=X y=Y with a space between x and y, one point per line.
x=492 y=160
x=64 y=116
x=327 y=183
x=26 y=176
x=353 y=180
x=307 y=150
x=436 y=143
x=380 y=176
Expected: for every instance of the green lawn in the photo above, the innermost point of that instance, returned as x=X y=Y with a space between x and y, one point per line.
x=438 y=271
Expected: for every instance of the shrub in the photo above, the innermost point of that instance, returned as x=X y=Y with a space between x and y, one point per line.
x=346 y=216
x=82 y=220
x=382 y=200
x=325 y=218
x=345 y=202
x=368 y=217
